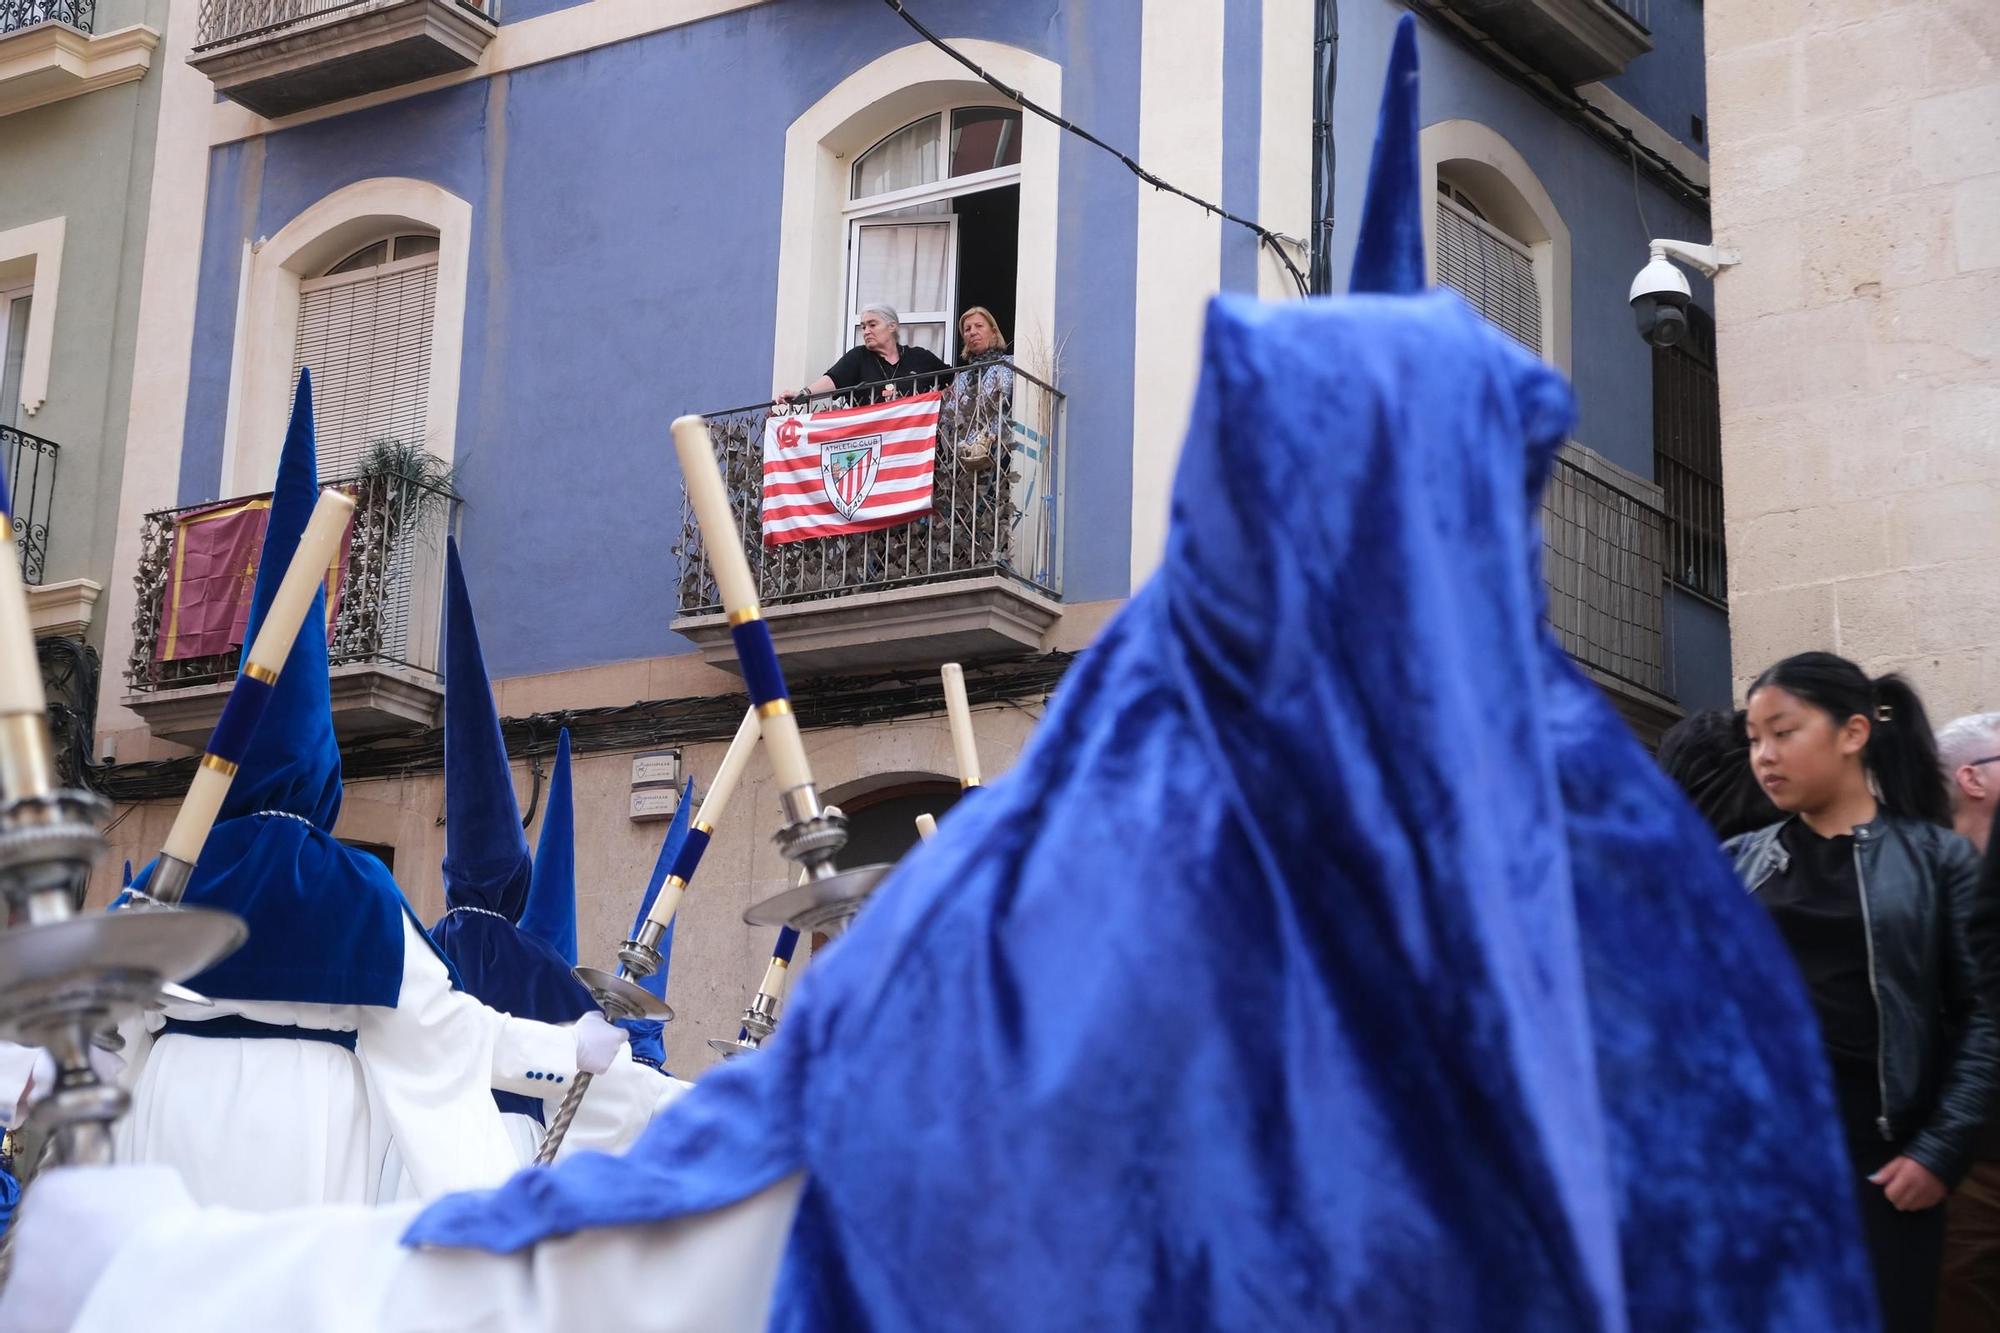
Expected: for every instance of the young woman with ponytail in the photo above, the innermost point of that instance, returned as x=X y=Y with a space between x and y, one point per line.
x=1874 y=894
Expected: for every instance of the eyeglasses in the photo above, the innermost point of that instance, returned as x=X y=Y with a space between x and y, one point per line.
x=1989 y=759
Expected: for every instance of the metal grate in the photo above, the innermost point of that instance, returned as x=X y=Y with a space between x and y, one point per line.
x=31 y=478
x=1601 y=557
x=1492 y=271
x=17 y=14
x=998 y=519
x=230 y=20
x=1687 y=458
x=388 y=594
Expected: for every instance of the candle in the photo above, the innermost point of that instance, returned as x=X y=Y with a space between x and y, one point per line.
x=20 y=669
x=710 y=501
x=773 y=983
x=303 y=578
x=926 y=827
x=231 y=738
x=727 y=776
x=729 y=773
x=960 y=713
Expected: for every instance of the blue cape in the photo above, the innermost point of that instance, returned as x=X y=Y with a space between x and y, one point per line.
x=1331 y=958
x=326 y=921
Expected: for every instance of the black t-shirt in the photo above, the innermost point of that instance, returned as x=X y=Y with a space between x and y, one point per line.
x=1816 y=903
x=861 y=368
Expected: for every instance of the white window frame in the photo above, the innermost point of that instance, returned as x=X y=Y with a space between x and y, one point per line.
x=1462 y=148
x=856 y=298
x=868 y=210
x=872 y=102
x=267 y=313
x=34 y=255
x=9 y=412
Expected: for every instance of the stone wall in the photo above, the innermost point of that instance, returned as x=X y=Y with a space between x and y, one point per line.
x=1856 y=166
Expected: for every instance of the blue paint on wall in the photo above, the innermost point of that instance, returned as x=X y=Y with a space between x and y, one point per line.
x=1096 y=297
x=513 y=11
x=1669 y=84
x=624 y=270
x=1242 y=111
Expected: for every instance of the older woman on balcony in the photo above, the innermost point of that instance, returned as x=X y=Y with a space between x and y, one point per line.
x=979 y=401
x=878 y=360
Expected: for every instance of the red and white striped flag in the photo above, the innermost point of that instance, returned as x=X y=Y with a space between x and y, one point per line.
x=852 y=469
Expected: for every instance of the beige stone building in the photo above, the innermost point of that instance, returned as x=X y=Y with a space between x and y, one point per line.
x=1856 y=167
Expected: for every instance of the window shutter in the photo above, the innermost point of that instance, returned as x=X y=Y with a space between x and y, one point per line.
x=367 y=337
x=1494 y=272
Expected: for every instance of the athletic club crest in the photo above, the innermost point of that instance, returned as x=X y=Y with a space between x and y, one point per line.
x=849 y=468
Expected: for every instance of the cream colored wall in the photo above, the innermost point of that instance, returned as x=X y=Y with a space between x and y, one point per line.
x=1857 y=168
x=717 y=960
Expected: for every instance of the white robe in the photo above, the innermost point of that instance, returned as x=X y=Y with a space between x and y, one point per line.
x=177 y=1268
x=618 y=1105
x=267 y=1123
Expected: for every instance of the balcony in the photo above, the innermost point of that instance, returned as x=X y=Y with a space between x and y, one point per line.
x=280 y=56
x=383 y=647
x=1603 y=556
x=61 y=609
x=979 y=578
x=47 y=53
x=1574 y=41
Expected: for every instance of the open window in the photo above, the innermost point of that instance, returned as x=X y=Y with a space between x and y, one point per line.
x=933 y=220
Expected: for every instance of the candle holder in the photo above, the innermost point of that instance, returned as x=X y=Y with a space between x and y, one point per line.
x=828 y=899
x=760 y=1020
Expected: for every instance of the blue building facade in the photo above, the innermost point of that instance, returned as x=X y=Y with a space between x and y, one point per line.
x=587 y=217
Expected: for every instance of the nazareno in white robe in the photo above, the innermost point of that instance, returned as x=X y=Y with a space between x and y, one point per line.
x=124 y=1248
x=268 y=1123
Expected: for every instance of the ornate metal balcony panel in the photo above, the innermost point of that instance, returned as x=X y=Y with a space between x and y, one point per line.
x=979 y=577
x=18 y=14
x=31 y=475
x=277 y=57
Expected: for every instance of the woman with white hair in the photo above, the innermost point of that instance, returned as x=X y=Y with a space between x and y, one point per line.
x=879 y=360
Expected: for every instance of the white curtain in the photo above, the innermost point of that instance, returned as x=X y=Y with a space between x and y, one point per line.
x=905 y=159
x=908 y=265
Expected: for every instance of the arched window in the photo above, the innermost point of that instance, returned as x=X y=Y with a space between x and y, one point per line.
x=934 y=223
x=1491 y=265
x=365 y=332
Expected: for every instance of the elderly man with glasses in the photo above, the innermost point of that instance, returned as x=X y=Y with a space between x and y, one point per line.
x=1969 y=1286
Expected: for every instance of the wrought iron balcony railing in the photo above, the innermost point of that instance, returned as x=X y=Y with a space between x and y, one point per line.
x=387 y=599
x=996 y=499
x=231 y=20
x=17 y=14
x=30 y=461
x=1603 y=550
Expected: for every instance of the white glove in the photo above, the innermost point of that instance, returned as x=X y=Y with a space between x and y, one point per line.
x=73 y=1222
x=110 y=1067
x=597 y=1043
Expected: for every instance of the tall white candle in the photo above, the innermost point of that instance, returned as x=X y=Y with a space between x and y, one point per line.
x=709 y=499
x=773 y=983
x=303 y=578
x=960 y=712
x=730 y=772
x=926 y=827
x=787 y=750
x=275 y=636
x=20 y=670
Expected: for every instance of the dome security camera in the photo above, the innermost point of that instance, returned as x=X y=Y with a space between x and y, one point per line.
x=1660 y=294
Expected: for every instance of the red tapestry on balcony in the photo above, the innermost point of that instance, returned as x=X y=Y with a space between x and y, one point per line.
x=206 y=607
x=849 y=469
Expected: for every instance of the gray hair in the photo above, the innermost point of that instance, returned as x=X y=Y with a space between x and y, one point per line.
x=1974 y=736
x=887 y=312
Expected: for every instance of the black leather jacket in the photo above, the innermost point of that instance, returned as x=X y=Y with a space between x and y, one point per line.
x=1938 y=1063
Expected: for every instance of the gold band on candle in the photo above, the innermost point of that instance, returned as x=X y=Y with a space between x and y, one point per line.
x=257 y=671
x=676 y=882
x=219 y=764
x=767 y=711
x=706 y=830
x=780 y=964
x=743 y=615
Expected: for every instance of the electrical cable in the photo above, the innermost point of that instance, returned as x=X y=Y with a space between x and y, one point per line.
x=1276 y=241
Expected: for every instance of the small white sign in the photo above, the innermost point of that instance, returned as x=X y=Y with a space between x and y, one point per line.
x=655 y=802
x=662 y=767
